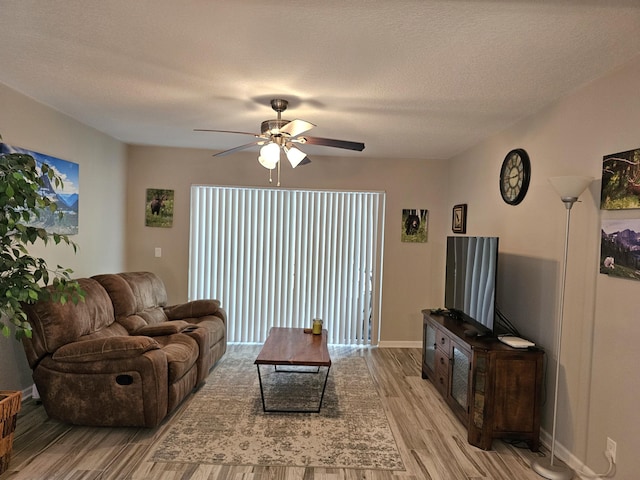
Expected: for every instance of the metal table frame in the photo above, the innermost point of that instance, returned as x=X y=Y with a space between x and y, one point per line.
x=293 y=410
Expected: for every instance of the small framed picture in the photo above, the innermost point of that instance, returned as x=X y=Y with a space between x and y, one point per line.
x=459 y=219
x=414 y=225
x=159 y=208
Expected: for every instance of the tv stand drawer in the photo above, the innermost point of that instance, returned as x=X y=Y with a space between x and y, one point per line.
x=442 y=341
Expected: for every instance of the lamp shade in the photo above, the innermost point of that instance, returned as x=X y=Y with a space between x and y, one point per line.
x=570 y=186
x=269 y=155
x=294 y=155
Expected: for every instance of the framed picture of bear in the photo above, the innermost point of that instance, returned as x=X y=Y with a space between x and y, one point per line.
x=459 y=218
x=414 y=225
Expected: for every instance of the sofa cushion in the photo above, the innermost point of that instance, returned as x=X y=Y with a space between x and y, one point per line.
x=153 y=315
x=181 y=351
x=109 y=348
x=139 y=294
x=124 y=303
x=148 y=289
x=166 y=328
x=193 y=309
x=84 y=318
x=213 y=326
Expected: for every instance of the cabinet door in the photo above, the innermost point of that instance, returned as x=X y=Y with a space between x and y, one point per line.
x=429 y=347
x=459 y=380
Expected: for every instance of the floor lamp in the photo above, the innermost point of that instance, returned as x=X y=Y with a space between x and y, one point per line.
x=569 y=189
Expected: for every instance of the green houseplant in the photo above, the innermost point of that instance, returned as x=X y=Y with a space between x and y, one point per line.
x=23 y=277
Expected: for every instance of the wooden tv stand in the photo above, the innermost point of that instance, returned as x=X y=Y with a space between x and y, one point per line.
x=494 y=389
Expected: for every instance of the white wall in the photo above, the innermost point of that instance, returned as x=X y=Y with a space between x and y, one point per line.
x=28 y=124
x=413 y=273
x=598 y=386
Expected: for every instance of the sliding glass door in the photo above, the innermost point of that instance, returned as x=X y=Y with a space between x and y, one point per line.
x=276 y=257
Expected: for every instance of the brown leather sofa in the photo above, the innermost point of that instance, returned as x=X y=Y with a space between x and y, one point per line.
x=122 y=357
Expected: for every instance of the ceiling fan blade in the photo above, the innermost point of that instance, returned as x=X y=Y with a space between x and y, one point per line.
x=226 y=131
x=305 y=161
x=237 y=149
x=296 y=127
x=330 y=142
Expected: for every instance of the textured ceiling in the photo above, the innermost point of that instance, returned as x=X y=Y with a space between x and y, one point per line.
x=410 y=79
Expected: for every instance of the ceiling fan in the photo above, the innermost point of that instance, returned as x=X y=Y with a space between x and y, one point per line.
x=279 y=134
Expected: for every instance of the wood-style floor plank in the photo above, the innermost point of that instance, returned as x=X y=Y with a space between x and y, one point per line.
x=431 y=440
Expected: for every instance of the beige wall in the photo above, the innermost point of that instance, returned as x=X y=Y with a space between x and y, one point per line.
x=413 y=276
x=31 y=125
x=598 y=385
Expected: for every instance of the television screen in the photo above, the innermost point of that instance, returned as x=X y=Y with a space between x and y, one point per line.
x=470 y=284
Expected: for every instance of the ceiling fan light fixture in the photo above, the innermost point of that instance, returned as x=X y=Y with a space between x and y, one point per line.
x=265 y=163
x=278 y=133
x=294 y=155
x=269 y=155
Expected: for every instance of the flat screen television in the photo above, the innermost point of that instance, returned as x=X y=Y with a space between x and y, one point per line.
x=470 y=280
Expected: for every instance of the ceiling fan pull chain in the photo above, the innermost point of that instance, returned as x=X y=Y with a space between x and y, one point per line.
x=279 y=163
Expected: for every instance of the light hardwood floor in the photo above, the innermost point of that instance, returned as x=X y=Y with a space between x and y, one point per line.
x=431 y=440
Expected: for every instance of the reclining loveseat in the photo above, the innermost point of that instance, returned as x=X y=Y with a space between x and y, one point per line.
x=122 y=357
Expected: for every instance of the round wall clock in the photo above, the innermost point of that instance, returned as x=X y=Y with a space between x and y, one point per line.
x=514 y=176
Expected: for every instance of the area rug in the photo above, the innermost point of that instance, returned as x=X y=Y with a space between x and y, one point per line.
x=224 y=423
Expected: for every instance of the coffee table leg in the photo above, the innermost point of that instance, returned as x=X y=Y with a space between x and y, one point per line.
x=324 y=387
x=264 y=406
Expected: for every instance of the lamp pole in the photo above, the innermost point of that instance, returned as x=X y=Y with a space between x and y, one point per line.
x=546 y=467
x=569 y=189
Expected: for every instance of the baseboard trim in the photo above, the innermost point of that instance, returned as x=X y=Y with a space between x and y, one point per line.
x=581 y=470
x=27 y=393
x=392 y=344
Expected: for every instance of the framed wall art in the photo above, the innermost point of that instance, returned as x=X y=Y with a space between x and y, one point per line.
x=159 y=208
x=414 y=225
x=66 y=196
x=621 y=181
x=619 y=253
x=459 y=218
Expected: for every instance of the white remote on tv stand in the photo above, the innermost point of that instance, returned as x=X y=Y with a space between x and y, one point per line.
x=516 y=342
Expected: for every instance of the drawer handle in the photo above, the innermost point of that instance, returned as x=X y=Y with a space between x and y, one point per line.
x=441 y=361
x=441 y=381
x=442 y=340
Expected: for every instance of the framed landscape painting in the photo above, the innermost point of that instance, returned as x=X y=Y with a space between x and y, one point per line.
x=621 y=181
x=66 y=198
x=620 y=248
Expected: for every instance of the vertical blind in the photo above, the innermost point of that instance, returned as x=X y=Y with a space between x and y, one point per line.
x=277 y=257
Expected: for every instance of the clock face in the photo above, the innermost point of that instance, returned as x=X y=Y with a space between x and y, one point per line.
x=514 y=176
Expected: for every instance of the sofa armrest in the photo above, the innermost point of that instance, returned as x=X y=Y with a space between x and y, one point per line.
x=193 y=309
x=100 y=349
x=163 y=328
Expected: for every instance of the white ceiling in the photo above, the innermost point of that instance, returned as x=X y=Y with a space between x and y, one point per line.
x=409 y=78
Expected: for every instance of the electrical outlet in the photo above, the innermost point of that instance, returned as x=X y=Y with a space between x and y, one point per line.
x=611 y=449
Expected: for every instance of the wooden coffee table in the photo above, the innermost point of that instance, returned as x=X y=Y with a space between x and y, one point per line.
x=293 y=347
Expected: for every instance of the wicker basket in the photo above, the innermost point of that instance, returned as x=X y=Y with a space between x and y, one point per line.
x=9 y=408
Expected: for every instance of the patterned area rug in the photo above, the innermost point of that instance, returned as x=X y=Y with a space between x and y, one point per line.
x=224 y=423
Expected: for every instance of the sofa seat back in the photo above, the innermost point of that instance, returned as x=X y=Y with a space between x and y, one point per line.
x=138 y=298
x=91 y=318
